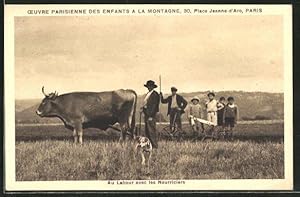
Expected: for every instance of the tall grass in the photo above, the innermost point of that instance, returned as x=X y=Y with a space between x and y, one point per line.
x=100 y=160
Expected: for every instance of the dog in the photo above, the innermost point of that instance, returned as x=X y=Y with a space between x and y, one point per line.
x=143 y=146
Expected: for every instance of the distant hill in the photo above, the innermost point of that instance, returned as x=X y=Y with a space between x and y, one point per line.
x=21 y=105
x=252 y=105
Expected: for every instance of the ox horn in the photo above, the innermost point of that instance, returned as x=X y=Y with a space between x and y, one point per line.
x=53 y=95
x=44 y=92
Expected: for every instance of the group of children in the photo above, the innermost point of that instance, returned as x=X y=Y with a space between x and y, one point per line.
x=219 y=113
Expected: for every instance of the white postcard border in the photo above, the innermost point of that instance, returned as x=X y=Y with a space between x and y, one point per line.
x=239 y=184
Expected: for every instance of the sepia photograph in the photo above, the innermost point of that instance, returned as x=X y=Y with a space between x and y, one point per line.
x=146 y=97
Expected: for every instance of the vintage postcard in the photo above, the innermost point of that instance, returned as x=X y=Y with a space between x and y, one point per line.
x=148 y=97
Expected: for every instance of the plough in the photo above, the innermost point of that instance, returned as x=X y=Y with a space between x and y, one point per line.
x=193 y=119
x=173 y=131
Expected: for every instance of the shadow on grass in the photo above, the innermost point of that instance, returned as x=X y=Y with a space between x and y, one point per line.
x=64 y=138
x=257 y=139
x=255 y=133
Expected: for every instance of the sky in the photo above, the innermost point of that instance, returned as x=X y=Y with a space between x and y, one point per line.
x=102 y=53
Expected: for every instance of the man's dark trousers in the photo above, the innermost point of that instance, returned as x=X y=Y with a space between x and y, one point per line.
x=175 y=112
x=150 y=131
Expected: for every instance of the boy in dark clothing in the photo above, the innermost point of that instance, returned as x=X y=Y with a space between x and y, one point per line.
x=220 y=106
x=220 y=113
x=230 y=116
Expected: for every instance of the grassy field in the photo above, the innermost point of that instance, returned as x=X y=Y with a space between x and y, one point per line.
x=62 y=160
x=48 y=153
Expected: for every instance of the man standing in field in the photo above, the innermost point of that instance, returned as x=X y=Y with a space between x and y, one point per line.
x=176 y=106
x=150 y=109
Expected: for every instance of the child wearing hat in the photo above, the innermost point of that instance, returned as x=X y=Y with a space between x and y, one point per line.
x=195 y=111
x=230 y=116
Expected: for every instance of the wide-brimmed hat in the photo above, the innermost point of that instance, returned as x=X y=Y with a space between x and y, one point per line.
x=150 y=83
x=173 y=89
x=195 y=98
x=211 y=93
